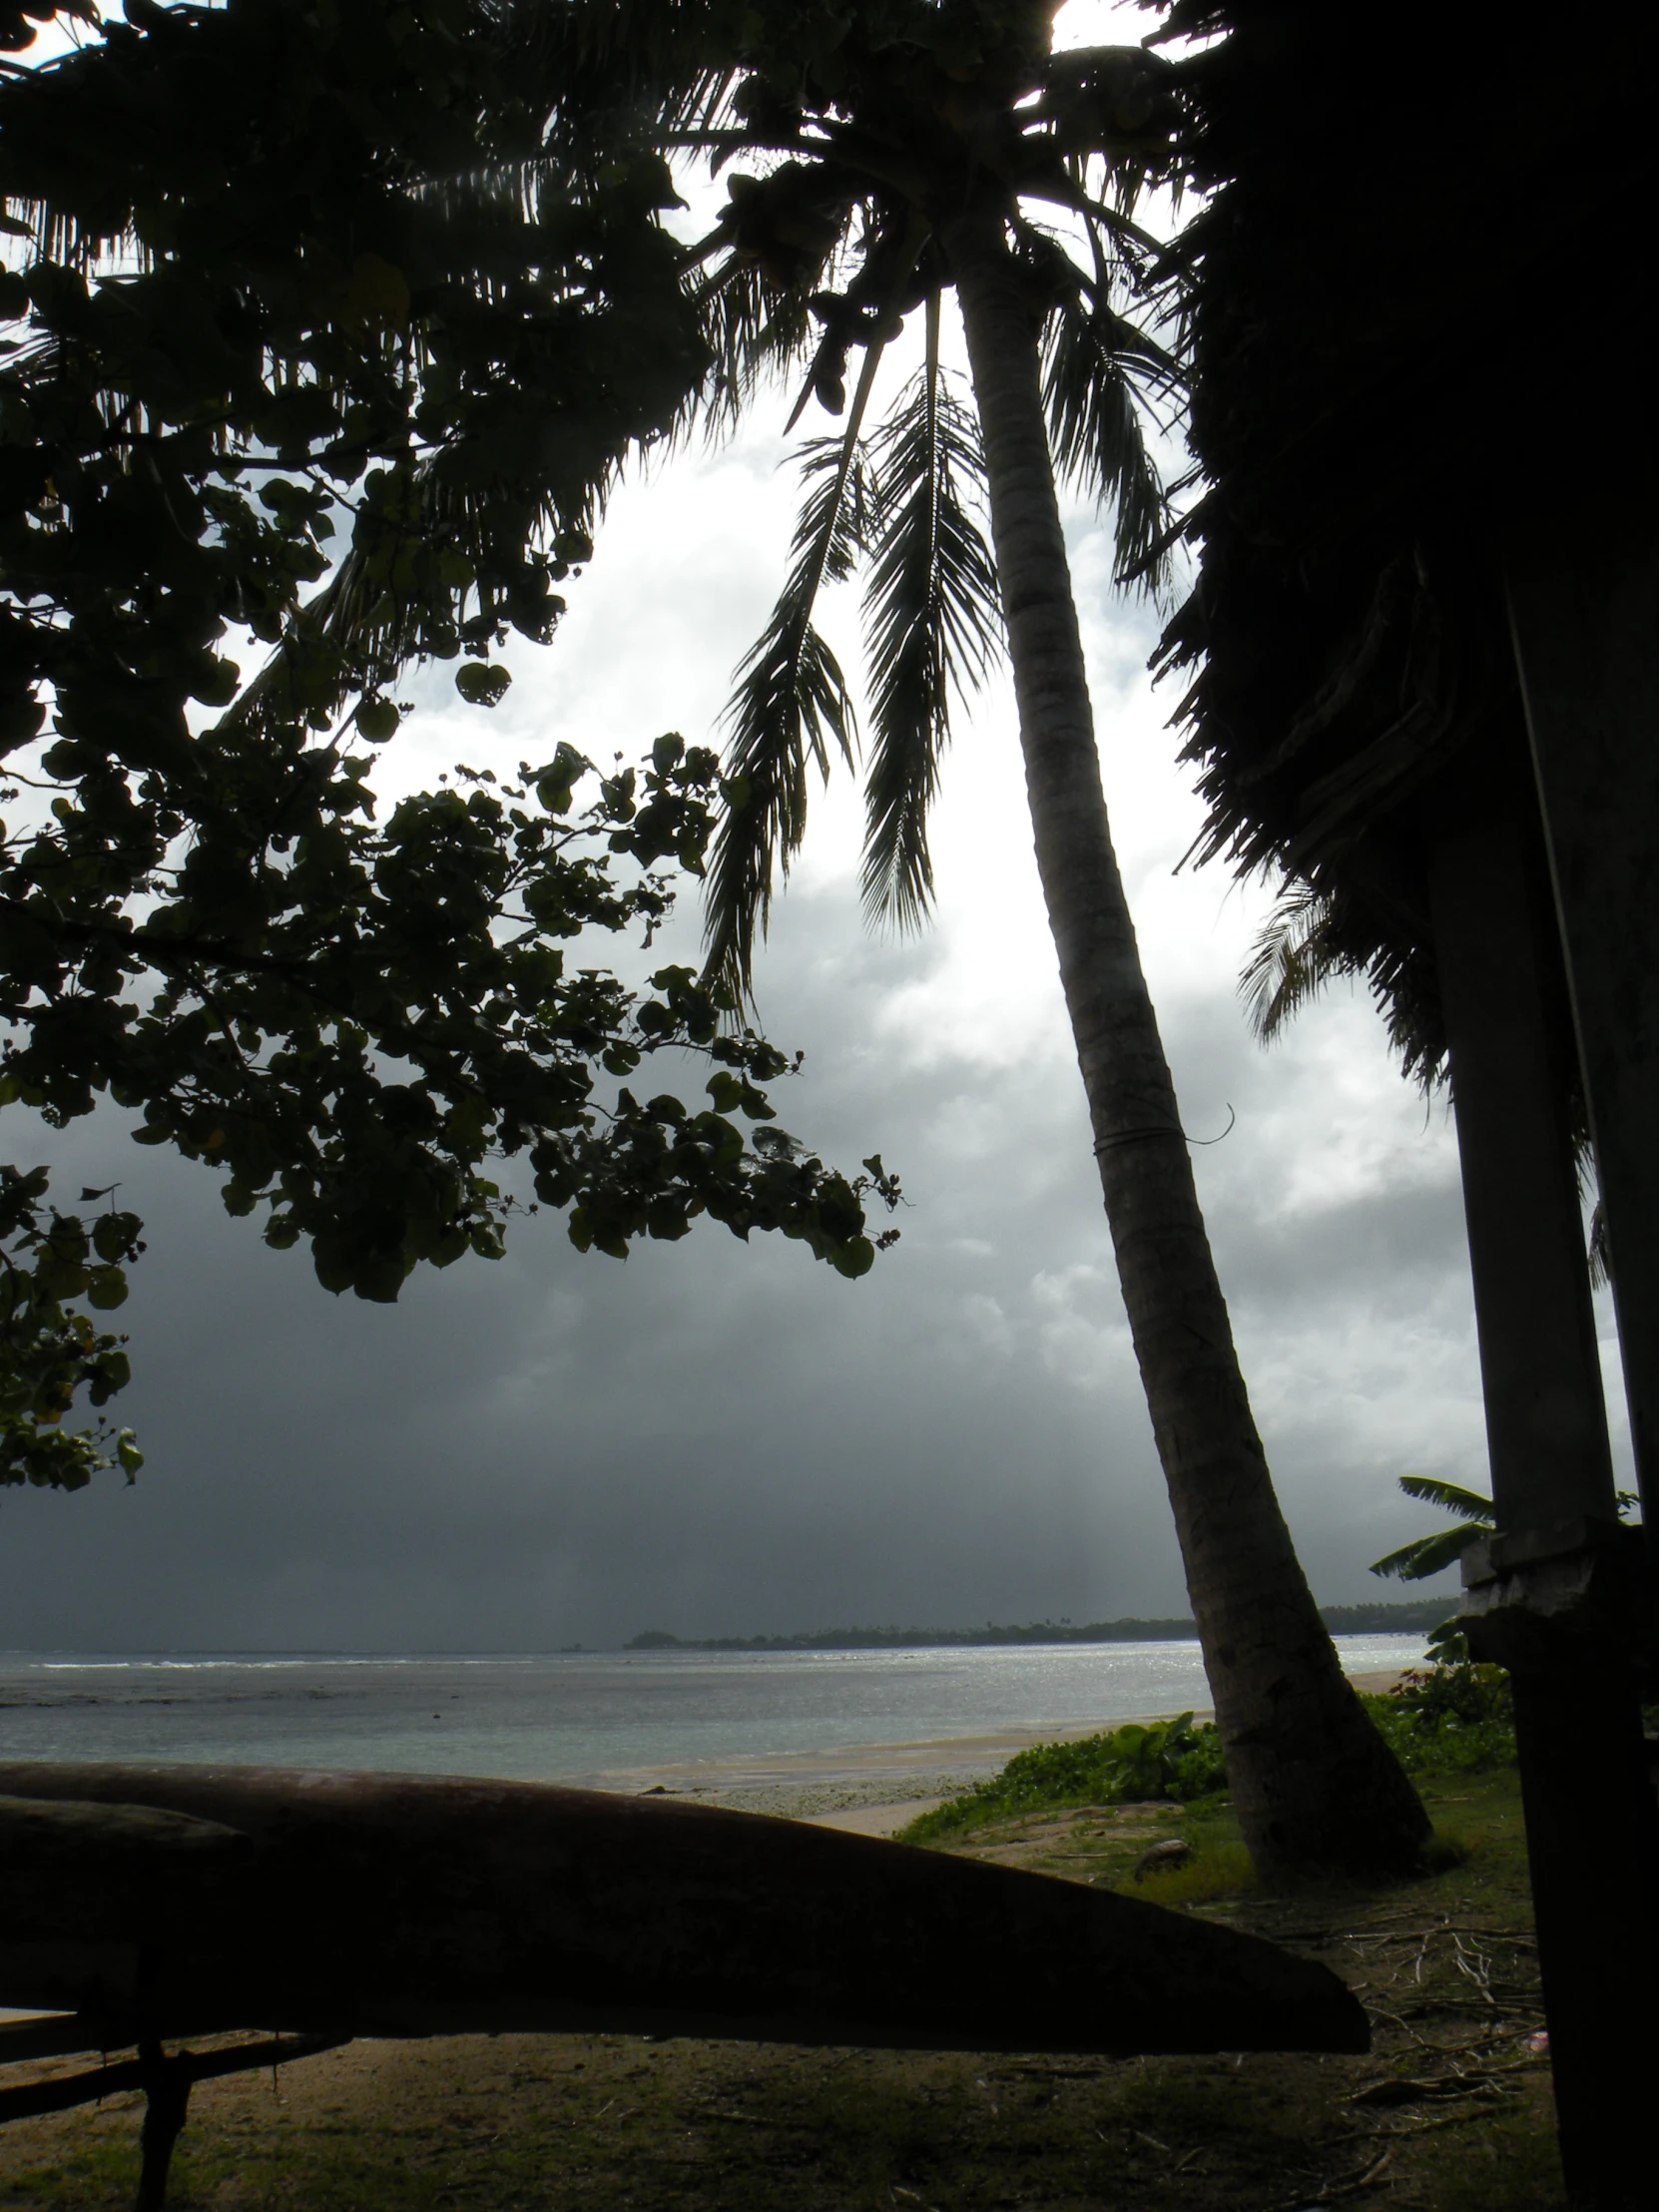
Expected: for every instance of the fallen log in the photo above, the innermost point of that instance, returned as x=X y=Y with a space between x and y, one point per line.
x=171 y=1901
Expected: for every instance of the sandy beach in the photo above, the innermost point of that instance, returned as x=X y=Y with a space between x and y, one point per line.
x=872 y=1789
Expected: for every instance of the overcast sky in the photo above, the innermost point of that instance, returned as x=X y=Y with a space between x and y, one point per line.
x=724 y=1440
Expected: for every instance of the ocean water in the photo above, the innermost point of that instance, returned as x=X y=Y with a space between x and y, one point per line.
x=590 y=1717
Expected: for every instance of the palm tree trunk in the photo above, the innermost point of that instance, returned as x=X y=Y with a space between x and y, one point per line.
x=1312 y=1782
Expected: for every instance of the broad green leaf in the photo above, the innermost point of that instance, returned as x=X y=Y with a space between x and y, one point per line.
x=482 y=684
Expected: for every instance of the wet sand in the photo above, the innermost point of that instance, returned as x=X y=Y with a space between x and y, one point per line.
x=875 y=1820
x=809 y=1785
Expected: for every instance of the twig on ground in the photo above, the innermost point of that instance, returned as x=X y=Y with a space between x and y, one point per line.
x=1404 y=2026
x=1530 y=2007
x=1344 y=2185
x=1393 y=2090
x=1479 y=2111
x=1446 y=1928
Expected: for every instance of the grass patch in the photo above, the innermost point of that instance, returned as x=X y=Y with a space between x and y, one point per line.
x=1214 y=1870
x=1445 y=1849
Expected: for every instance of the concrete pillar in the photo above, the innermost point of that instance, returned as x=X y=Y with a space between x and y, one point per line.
x=1584 y=607
x=1553 y=1593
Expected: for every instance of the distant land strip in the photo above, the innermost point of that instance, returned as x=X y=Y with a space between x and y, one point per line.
x=1341 y=1620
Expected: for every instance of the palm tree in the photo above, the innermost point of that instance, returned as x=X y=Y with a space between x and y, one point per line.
x=946 y=147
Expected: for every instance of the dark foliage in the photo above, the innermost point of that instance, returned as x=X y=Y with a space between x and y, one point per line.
x=1428 y=1555
x=327 y=330
x=1449 y=1718
x=1382 y=304
x=1456 y=1717
x=1136 y=1763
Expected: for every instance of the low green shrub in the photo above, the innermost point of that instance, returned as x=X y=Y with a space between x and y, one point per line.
x=1451 y=1718
x=1131 y=1764
x=1466 y=1693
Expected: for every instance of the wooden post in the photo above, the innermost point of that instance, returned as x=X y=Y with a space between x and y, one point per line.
x=1553 y=1593
x=167 y=2087
x=1584 y=608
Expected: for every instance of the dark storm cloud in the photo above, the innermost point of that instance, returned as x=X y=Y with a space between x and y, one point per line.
x=718 y=1439
x=559 y=1448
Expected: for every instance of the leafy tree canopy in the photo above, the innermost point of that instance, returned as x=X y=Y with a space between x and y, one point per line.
x=326 y=333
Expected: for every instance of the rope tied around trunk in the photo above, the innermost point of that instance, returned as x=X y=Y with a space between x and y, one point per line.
x=1164 y=1129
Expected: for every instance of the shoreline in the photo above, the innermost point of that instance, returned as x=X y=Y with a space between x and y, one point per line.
x=867 y=1788
x=854 y=1786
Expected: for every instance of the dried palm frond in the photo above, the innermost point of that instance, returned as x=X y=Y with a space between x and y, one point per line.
x=1291 y=961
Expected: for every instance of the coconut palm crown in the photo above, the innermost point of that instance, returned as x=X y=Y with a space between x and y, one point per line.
x=864 y=144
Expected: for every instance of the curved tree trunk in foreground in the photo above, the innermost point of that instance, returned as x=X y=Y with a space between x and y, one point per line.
x=1312 y=1782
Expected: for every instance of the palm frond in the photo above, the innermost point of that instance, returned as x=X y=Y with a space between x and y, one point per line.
x=72 y=241
x=1097 y=369
x=651 y=54
x=1468 y=1506
x=776 y=255
x=1426 y=1555
x=1291 y=961
x=756 y=331
x=790 y=702
x=934 y=618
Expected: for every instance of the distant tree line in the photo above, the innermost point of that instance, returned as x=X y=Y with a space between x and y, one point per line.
x=1341 y=1621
